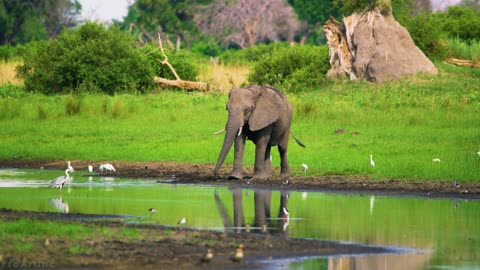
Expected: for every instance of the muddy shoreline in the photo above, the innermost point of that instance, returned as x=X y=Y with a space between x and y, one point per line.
x=162 y=247
x=203 y=174
x=159 y=247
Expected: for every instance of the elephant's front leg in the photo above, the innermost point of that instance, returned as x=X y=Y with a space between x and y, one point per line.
x=239 y=150
x=263 y=167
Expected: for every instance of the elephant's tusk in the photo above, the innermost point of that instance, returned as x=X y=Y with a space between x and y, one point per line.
x=220 y=131
x=240 y=131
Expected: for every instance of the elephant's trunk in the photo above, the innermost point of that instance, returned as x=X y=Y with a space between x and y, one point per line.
x=233 y=130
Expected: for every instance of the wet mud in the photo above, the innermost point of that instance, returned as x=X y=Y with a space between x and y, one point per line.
x=203 y=174
x=159 y=247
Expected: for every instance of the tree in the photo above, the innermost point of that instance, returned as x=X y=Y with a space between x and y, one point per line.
x=23 y=21
x=313 y=14
x=147 y=17
x=248 y=22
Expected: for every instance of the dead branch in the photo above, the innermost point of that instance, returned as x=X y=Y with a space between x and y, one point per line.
x=189 y=85
x=463 y=62
x=165 y=61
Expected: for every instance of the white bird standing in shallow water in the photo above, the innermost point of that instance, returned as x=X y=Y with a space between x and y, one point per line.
x=107 y=167
x=60 y=181
x=372 y=163
x=69 y=167
x=90 y=168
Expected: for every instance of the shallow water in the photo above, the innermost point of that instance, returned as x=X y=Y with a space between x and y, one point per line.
x=424 y=233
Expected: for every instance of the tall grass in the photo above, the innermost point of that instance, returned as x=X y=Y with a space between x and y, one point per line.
x=463 y=50
x=405 y=125
x=7 y=72
x=224 y=77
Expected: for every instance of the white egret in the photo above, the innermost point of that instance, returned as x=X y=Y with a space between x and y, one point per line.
x=60 y=181
x=182 y=221
x=152 y=211
x=436 y=160
x=372 y=163
x=305 y=167
x=90 y=168
x=107 y=167
x=69 y=167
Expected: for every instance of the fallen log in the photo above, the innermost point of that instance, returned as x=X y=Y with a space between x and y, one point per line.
x=188 y=85
x=463 y=62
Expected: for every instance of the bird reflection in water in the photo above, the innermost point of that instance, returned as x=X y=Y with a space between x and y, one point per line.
x=59 y=204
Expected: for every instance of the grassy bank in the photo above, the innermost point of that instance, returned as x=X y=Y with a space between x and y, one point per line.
x=404 y=124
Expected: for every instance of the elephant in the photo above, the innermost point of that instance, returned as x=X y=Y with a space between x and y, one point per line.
x=263 y=115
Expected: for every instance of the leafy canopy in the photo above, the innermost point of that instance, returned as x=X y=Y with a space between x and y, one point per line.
x=89 y=58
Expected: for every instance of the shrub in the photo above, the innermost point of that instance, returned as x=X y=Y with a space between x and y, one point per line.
x=182 y=61
x=460 y=22
x=251 y=54
x=426 y=34
x=88 y=58
x=292 y=68
x=465 y=50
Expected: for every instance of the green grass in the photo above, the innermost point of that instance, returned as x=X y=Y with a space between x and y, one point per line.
x=404 y=124
x=460 y=49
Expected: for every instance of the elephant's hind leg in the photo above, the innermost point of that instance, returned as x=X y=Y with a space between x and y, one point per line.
x=284 y=168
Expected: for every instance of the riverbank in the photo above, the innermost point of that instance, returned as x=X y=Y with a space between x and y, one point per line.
x=129 y=246
x=203 y=174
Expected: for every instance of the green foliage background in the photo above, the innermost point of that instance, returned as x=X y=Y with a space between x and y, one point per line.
x=90 y=58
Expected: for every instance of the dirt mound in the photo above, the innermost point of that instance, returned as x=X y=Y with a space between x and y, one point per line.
x=372 y=45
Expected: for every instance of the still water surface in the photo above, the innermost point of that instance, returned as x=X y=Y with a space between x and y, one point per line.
x=425 y=233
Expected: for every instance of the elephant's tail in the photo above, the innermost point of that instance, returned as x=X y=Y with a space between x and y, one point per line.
x=297 y=140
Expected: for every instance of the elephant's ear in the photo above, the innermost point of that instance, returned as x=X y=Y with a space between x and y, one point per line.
x=268 y=108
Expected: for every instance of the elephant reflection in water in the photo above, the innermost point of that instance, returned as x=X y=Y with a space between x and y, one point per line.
x=262 y=221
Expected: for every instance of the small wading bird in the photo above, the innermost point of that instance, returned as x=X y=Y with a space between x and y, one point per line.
x=237 y=256
x=182 y=221
x=107 y=167
x=305 y=167
x=69 y=167
x=60 y=181
x=90 y=168
x=207 y=257
x=152 y=211
x=372 y=163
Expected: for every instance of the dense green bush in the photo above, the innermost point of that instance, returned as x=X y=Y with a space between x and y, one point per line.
x=459 y=22
x=182 y=61
x=251 y=54
x=90 y=58
x=426 y=34
x=458 y=48
x=293 y=68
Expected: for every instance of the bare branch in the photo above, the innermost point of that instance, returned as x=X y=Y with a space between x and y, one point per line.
x=165 y=61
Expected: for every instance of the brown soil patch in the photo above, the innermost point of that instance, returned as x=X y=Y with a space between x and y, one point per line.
x=203 y=174
x=156 y=247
